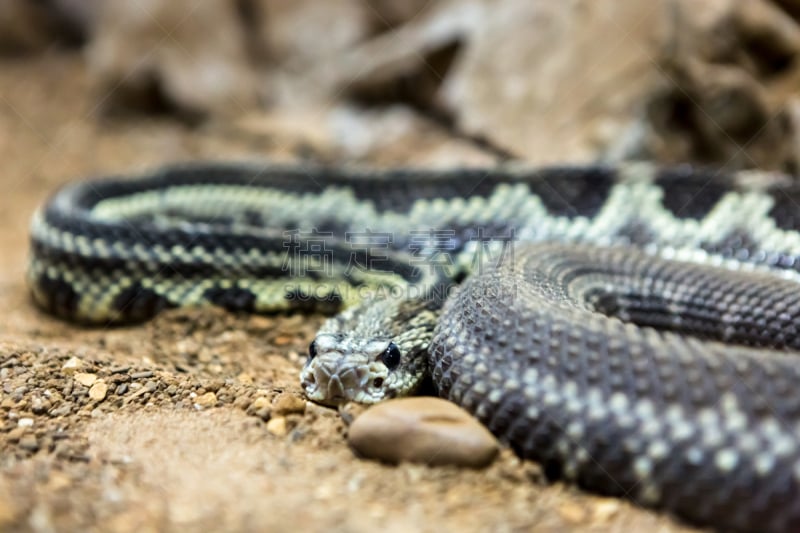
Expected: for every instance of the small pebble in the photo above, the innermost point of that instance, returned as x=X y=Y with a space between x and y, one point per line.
x=63 y=410
x=25 y=422
x=98 y=391
x=215 y=385
x=28 y=442
x=260 y=403
x=422 y=430
x=39 y=406
x=260 y=407
x=241 y=402
x=16 y=434
x=87 y=380
x=277 y=426
x=72 y=365
x=122 y=388
x=286 y=404
x=142 y=375
x=208 y=399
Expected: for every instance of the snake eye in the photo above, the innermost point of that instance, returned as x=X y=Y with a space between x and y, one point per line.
x=391 y=356
x=312 y=350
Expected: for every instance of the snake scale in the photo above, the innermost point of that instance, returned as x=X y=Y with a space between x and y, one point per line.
x=632 y=328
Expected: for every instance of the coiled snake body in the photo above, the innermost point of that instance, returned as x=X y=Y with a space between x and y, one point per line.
x=645 y=344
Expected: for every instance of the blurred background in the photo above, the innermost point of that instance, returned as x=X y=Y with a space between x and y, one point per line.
x=426 y=82
x=90 y=87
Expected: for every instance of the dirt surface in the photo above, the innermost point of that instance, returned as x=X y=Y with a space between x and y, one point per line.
x=195 y=420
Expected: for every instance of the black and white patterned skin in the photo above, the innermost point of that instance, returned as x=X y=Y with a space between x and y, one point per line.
x=706 y=428
x=640 y=335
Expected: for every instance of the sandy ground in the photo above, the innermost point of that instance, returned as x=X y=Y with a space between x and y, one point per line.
x=195 y=420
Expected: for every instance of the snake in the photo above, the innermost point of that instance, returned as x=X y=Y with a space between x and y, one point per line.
x=633 y=328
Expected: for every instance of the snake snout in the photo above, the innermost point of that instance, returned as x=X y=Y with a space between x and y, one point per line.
x=334 y=381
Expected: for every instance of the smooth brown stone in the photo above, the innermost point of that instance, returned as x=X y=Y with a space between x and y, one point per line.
x=422 y=430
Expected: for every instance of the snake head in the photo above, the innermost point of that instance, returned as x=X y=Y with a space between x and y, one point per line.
x=369 y=354
x=339 y=370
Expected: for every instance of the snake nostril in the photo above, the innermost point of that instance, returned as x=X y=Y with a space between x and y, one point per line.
x=377 y=383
